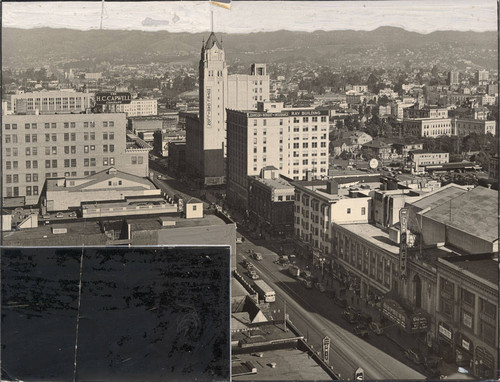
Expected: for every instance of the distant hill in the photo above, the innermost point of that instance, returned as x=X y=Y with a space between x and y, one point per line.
x=54 y=44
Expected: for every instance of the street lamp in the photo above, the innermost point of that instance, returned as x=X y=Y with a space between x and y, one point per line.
x=322 y=260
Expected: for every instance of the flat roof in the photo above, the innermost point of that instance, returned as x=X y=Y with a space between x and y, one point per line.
x=474 y=212
x=373 y=235
x=483 y=268
x=279 y=183
x=291 y=365
x=438 y=197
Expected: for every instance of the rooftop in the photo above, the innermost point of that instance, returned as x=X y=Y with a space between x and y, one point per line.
x=438 y=197
x=278 y=183
x=373 y=235
x=291 y=364
x=474 y=212
x=485 y=268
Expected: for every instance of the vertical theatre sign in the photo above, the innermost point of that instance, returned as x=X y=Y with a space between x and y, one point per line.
x=403 y=255
x=326 y=349
x=209 y=107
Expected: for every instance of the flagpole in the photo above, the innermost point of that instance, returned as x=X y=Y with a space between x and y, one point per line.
x=102 y=12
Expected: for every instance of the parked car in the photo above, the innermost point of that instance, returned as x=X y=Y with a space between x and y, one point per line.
x=305 y=274
x=414 y=355
x=246 y=263
x=351 y=315
x=250 y=267
x=341 y=302
x=283 y=260
x=361 y=331
x=253 y=275
x=72 y=214
x=320 y=287
x=46 y=216
x=432 y=362
x=59 y=215
x=308 y=284
x=376 y=328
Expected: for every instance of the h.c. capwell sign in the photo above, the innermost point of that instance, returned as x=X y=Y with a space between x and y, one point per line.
x=111 y=98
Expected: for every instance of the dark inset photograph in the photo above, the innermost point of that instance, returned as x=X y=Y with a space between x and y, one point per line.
x=115 y=314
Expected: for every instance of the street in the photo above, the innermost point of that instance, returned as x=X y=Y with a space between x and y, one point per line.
x=316 y=316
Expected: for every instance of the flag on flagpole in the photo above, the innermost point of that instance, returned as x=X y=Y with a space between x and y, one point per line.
x=222 y=3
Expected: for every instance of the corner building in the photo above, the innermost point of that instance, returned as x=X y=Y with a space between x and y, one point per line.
x=37 y=147
x=295 y=141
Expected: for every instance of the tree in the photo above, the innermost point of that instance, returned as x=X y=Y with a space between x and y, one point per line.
x=435 y=71
x=372 y=83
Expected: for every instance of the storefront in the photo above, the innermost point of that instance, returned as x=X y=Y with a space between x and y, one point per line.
x=464 y=351
x=445 y=342
x=408 y=327
x=484 y=365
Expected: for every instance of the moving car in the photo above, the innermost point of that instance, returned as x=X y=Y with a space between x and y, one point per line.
x=257 y=256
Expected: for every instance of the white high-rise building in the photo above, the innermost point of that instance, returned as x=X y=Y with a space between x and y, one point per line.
x=139 y=107
x=294 y=141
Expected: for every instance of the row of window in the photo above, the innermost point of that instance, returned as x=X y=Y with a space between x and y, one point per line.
x=295 y=120
x=14 y=178
x=54 y=125
x=14 y=191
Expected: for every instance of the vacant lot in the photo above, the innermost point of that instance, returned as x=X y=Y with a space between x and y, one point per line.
x=144 y=314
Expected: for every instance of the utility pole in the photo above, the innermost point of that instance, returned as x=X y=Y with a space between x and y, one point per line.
x=284 y=317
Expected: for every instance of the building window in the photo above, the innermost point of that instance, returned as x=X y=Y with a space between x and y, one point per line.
x=348 y=210
x=363 y=210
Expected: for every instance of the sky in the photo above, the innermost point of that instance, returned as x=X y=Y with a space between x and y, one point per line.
x=421 y=16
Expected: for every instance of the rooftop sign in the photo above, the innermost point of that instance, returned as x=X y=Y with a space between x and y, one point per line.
x=112 y=98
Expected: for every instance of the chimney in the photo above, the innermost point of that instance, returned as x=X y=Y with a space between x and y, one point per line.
x=332 y=187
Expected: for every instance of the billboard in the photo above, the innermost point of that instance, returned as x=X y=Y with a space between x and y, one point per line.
x=112 y=98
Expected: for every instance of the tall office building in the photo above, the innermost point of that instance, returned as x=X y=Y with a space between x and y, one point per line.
x=482 y=77
x=206 y=133
x=37 y=147
x=245 y=90
x=294 y=141
x=453 y=78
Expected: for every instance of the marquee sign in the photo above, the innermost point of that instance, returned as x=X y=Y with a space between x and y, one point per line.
x=403 y=255
x=112 y=98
